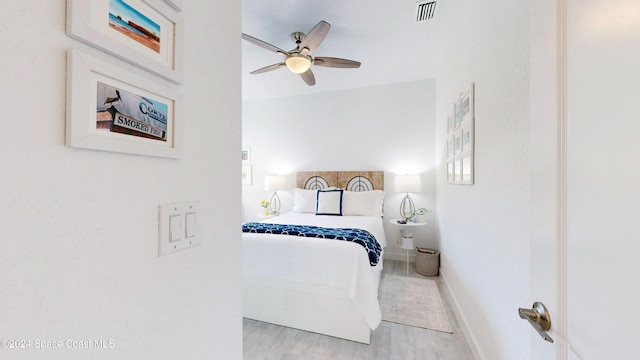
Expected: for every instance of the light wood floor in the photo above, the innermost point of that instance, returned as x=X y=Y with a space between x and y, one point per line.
x=388 y=342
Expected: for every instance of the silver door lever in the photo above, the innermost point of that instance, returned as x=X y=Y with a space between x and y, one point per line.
x=539 y=318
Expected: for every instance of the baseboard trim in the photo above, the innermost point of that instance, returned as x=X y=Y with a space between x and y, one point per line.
x=475 y=350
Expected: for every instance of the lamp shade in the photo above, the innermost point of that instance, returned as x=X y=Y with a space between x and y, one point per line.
x=407 y=183
x=275 y=183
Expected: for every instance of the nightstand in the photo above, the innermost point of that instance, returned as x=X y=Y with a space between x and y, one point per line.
x=406 y=236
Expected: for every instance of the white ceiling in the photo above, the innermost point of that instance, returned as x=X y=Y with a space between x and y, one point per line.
x=382 y=34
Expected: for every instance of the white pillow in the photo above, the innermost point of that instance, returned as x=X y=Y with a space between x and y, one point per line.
x=329 y=202
x=363 y=203
x=304 y=201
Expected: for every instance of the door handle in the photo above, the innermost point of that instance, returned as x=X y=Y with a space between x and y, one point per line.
x=539 y=318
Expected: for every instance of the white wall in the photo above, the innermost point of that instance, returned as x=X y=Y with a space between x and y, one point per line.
x=389 y=128
x=78 y=250
x=485 y=227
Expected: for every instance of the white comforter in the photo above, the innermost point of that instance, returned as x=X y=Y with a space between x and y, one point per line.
x=336 y=263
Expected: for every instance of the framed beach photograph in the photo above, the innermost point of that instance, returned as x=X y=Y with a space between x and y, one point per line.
x=148 y=34
x=113 y=109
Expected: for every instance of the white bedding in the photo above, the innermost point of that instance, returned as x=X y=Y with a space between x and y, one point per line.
x=339 y=264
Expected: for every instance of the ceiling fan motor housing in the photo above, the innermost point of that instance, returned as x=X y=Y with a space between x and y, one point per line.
x=297 y=36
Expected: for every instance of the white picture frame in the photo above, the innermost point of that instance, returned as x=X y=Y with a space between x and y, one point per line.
x=457 y=142
x=457 y=170
x=450 y=146
x=155 y=46
x=467 y=137
x=466 y=168
x=87 y=79
x=457 y=113
x=468 y=105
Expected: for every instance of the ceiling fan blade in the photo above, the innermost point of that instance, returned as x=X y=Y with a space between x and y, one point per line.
x=336 y=62
x=264 y=45
x=268 y=68
x=315 y=36
x=308 y=77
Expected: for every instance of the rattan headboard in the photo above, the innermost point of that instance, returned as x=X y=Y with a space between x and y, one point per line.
x=349 y=180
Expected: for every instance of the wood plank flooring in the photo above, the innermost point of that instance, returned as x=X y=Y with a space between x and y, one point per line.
x=389 y=341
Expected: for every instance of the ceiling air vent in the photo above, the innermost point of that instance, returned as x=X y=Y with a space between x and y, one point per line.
x=425 y=10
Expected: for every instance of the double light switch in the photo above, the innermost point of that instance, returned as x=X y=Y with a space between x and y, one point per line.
x=178 y=226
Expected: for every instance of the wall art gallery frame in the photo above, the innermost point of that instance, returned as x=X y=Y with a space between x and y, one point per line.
x=148 y=34
x=140 y=117
x=461 y=139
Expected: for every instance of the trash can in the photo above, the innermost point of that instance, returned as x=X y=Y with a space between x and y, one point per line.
x=427 y=261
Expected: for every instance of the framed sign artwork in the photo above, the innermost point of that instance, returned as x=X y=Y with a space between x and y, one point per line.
x=113 y=109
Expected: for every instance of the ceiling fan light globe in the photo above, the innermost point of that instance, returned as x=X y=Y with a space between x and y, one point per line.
x=298 y=63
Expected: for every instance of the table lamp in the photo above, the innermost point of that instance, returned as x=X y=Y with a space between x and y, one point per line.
x=407 y=184
x=275 y=183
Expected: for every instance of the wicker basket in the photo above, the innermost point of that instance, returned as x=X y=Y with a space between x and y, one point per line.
x=427 y=261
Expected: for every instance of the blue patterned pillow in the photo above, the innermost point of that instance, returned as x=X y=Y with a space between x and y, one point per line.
x=329 y=202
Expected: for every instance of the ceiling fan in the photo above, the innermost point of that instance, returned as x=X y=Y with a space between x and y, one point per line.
x=299 y=60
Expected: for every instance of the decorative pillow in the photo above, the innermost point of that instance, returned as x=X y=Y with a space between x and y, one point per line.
x=329 y=202
x=304 y=201
x=363 y=203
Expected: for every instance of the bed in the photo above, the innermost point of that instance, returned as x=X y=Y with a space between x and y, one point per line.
x=319 y=284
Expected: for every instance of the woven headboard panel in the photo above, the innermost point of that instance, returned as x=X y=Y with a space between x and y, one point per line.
x=350 y=180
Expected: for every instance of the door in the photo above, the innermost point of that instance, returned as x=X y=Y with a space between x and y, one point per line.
x=585 y=148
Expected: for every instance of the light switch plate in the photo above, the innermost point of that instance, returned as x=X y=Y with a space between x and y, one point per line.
x=191 y=224
x=178 y=226
x=176 y=230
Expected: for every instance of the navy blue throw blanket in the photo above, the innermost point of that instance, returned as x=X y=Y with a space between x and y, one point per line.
x=358 y=236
